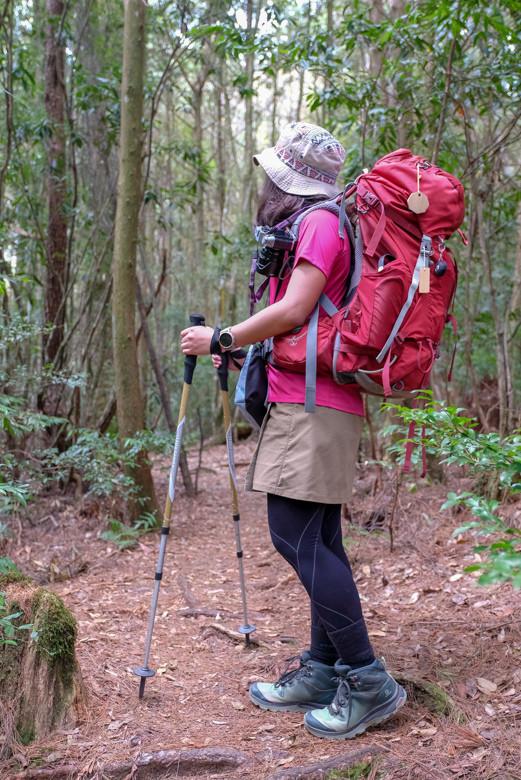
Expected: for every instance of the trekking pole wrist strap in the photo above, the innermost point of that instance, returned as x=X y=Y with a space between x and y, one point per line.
x=215 y=347
x=237 y=356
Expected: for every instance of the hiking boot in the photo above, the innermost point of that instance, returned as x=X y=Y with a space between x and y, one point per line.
x=311 y=685
x=365 y=697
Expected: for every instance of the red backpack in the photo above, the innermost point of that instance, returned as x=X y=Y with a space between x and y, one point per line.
x=386 y=335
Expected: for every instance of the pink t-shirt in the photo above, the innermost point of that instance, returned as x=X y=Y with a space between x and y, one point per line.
x=319 y=244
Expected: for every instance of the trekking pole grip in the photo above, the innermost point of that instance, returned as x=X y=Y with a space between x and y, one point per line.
x=191 y=360
x=222 y=371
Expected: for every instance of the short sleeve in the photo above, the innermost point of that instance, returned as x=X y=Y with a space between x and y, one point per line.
x=318 y=241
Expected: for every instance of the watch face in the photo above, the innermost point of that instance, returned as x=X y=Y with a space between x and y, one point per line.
x=226 y=339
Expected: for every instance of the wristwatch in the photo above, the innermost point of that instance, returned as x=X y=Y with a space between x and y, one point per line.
x=226 y=339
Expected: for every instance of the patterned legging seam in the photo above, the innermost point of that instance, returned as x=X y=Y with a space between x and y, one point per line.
x=334 y=611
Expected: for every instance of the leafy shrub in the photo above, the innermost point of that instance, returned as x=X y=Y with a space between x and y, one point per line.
x=495 y=464
x=99 y=459
x=126 y=536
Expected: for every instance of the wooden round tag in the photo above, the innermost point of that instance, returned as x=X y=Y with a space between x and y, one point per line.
x=418 y=202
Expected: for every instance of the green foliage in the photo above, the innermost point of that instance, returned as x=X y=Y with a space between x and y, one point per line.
x=9 y=572
x=8 y=627
x=356 y=772
x=9 y=614
x=495 y=464
x=12 y=495
x=17 y=420
x=99 y=459
x=125 y=536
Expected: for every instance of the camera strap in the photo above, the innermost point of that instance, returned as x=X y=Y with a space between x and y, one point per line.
x=255 y=294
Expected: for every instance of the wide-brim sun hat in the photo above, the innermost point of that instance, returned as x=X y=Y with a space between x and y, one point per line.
x=306 y=160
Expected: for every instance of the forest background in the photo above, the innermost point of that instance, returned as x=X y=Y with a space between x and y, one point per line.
x=95 y=286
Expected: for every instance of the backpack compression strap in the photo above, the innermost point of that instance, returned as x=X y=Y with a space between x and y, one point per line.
x=421 y=262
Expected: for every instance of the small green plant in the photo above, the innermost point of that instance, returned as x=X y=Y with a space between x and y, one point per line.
x=358 y=771
x=8 y=627
x=495 y=464
x=8 y=567
x=126 y=536
x=12 y=496
x=8 y=617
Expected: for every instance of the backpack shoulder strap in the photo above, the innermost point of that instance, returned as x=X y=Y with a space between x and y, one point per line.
x=345 y=230
x=311 y=350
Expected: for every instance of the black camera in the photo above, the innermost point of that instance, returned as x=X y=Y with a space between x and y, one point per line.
x=274 y=248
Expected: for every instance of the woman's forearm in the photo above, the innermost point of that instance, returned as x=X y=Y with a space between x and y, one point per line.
x=275 y=319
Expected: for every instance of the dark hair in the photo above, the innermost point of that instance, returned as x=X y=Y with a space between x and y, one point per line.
x=276 y=205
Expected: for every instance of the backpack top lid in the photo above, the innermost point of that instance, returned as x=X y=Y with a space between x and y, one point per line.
x=395 y=176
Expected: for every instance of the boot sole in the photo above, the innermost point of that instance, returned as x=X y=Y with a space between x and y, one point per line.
x=397 y=704
x=273 y=706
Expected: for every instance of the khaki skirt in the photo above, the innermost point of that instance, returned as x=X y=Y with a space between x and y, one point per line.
x=307 y=456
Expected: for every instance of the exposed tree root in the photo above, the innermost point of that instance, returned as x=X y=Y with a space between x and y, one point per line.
x=234 y=635
x=322 y=768
x=196 y=612
x=150 y=766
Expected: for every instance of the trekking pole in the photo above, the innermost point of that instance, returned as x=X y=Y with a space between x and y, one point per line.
x=247 y=628
x=189 y=367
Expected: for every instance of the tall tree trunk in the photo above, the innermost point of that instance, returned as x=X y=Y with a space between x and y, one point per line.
x=274 y=106
x=8 y=136
x=130 y=407
x=247 y=190
x=56 y=243
x=196 y=257
x=513 y=326
x=502 y=357
x=302 y=74
x=221 y=154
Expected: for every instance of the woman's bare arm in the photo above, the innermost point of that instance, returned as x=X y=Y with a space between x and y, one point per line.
x=304 y=289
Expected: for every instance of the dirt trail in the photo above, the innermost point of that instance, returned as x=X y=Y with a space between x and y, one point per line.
x=431 y=622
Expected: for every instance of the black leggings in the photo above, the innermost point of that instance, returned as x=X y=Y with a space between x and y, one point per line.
x=309 y=536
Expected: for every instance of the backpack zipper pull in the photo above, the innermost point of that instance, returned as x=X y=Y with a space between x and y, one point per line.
x=425 y=271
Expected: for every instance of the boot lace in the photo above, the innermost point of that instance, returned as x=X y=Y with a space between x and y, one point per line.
x=343 y=695
x=290 y=675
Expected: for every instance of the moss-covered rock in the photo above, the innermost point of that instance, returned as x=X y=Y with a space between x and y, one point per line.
x=40 y=681
x=54 y=629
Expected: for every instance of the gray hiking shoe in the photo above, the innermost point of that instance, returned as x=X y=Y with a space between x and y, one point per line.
x=365 y=697
x=310 y=685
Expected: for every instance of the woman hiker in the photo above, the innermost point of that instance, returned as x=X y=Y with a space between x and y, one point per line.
x=305 y=462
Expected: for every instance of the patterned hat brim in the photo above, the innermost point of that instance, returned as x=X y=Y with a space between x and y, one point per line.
x=290 y=181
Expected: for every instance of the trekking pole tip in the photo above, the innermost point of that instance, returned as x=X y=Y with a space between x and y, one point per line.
x=143 y=672
x=247 y=630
